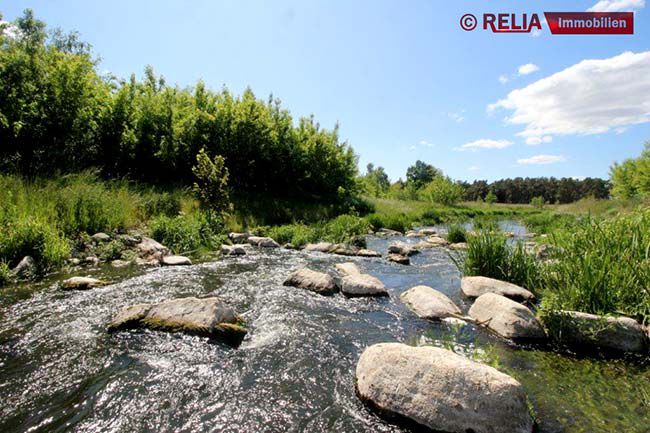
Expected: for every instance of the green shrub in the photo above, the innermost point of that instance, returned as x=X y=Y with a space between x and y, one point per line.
x=547 y=222
x=111 y=250
x=456 y=233
x=184 y=234
x=537 y=202
x=442 y=190
x=165 y=203
x=344 y=228
x=30 y=237
x=5 y=273
x=296 y=234
x=490 y=255
x=491 y=197
x=399 y=222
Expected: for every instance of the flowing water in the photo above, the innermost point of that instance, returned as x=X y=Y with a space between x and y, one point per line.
x=60 y=370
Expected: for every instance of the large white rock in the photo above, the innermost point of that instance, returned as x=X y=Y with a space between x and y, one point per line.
x=347 y=268
x=238 y=238
x=429 y=303
x=576 y=329
x=362 y=285
x=473 y=287
x=150 y=249
x=441 y=390
x=506 y=317
x=307 y=279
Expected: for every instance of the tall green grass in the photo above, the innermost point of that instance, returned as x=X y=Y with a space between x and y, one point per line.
x=602 y=267
x=342 y=229
x=490 y=255
x=456 y=233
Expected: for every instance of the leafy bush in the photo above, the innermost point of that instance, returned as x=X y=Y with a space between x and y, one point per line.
x=491 y=197
x=184 y=234
x=295 y=234
x=399 y=222
x=537 y=202
x=211 y=186
x=490 y=255
x=632 y=177
x=456 y=233
x=344 y=228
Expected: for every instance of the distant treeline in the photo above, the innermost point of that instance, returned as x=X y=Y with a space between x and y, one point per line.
x=523 y=190
x=59 y=115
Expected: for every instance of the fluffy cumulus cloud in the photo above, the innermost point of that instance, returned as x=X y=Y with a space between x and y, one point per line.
x=617 y=6
x=528 y=68
x=485 y=143
x=541 y=159
x=590 y=97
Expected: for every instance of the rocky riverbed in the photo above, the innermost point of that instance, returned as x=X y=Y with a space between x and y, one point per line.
x=60 y=370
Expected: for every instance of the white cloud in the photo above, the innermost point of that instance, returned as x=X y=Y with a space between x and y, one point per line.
x=485 y=143
x=590 y=97
x=456 y=117
x=528 y=68
x=533 y=141
x=503 y=79
x=473 y=168
x=617 y=5
x=541 y=159
x=426 y=143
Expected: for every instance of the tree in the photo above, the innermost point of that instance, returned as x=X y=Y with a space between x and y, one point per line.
x=375 y=182
x=491 y=197
x=442 y=190
x=631 y=178
x=537 y=202
x=421 y=174
x=211 y=186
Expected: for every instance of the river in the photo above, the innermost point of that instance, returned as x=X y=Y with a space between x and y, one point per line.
x=61 y=371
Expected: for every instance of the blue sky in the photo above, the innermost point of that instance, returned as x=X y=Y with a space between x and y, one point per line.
x=404 y=81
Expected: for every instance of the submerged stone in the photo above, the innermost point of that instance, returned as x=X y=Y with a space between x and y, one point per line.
x=398 y=258
x=441 y=390
x=402 y=249
x=209 y=317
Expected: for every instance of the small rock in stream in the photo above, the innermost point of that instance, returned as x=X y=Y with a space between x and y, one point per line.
x=506 y=317
x=307 y=279
x=175 y=261
x=429 y=303
x=473 y=287
x=81 y=283
x=399 y=259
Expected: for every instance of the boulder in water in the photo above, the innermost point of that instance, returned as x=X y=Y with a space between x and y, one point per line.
x=238 y=238
x=264 y=242
x=402 y=249
x=473 y=287
x=175 y=261
x=26 y=268
x=307 y=279
x=150 y=249
x=347 y=268
x=429 y=303
x=362 y=285
x=232 y=250
x=81 y=283
x=398 y=258
x=321 y=247
x=458 y=246
x=209 y=317
x=441 y=390
x=583 y=330
x=363 y=252
x=506 y=317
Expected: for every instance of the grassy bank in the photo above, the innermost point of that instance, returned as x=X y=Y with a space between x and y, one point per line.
x=597 y=265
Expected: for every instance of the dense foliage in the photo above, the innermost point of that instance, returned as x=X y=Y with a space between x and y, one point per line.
x=57 y=114
x=631 y=178
x=549 y=189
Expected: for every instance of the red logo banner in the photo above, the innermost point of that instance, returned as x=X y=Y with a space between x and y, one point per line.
x=598 y=23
